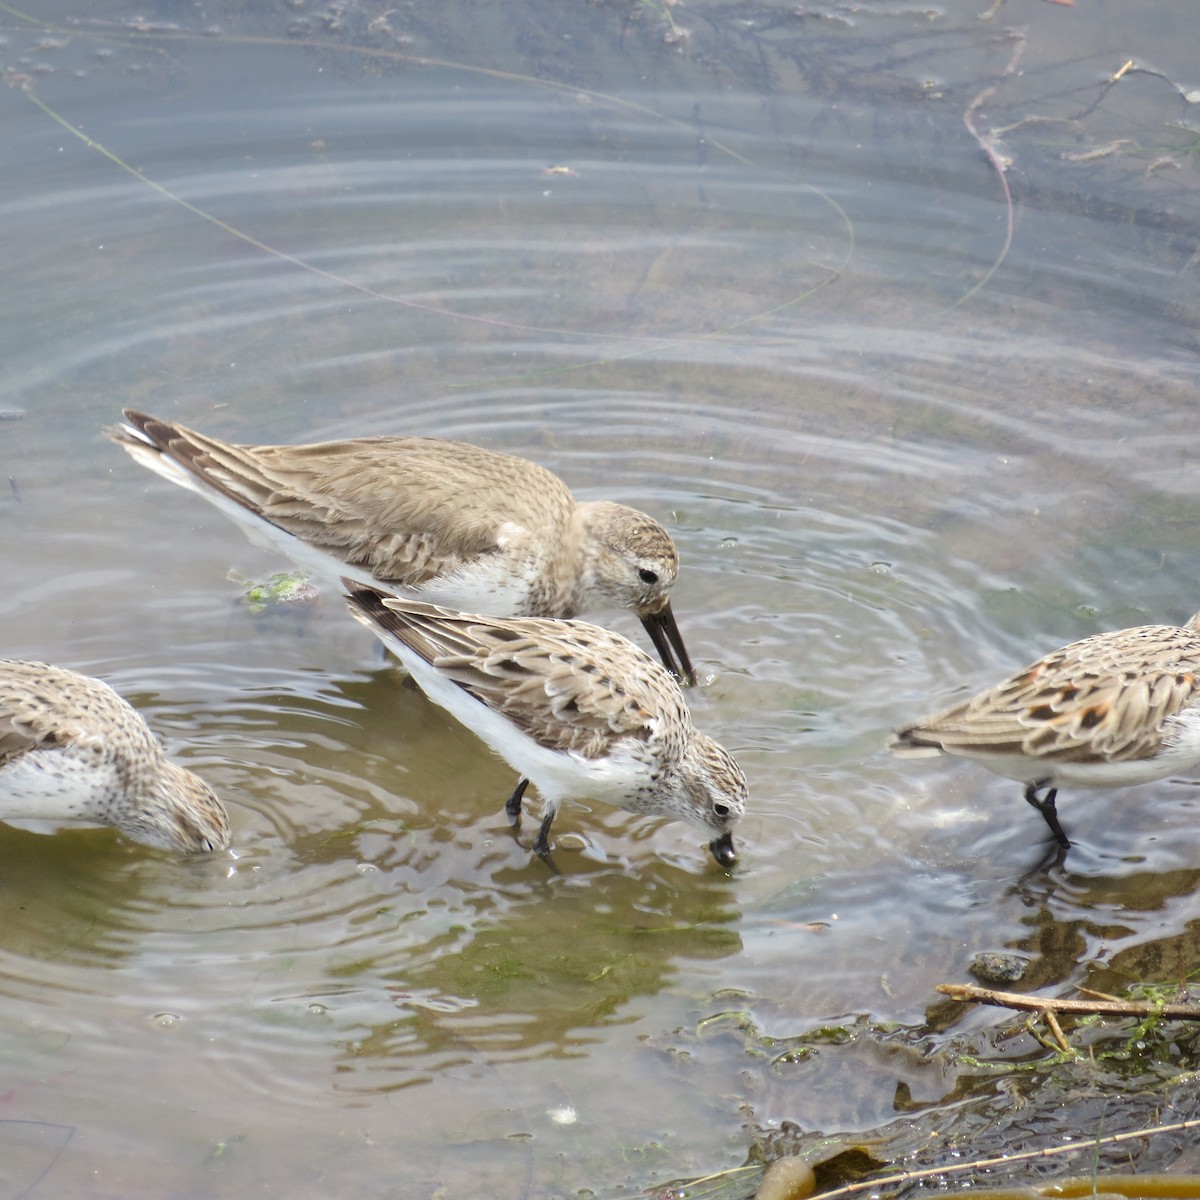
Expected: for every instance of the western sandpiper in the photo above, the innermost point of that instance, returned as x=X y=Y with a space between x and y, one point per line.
x=72 y=752
x=439 y=521
x=1110 y=710
x=579 y=711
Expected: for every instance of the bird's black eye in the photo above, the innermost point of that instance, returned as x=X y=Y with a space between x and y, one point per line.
x=647 y=576
x=721 y=810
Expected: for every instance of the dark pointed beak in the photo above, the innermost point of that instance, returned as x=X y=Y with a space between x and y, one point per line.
x=723 y=851
x=664 y=633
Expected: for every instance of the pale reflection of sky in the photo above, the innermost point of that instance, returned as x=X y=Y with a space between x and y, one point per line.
x=769 y=309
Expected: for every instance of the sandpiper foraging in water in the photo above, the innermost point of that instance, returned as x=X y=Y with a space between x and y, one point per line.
x=440 y=521
x=578 y=710
x=72 y=752
x=1109 y=710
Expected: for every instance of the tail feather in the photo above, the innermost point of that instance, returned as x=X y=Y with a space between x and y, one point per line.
x=216 y=470
x=145 y=440
x=367 y=606
x=913 y=742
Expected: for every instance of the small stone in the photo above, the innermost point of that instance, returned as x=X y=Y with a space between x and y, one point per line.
x=993 y=967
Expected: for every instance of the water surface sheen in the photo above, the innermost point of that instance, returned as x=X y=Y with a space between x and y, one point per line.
x=746 y=287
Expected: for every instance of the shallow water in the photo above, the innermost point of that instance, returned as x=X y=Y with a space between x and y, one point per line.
x=761 y=301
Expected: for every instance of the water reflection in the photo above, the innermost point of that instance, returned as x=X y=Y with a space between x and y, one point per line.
x=881 y=494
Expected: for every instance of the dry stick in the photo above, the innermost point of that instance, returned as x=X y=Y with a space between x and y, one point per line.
x=1056 y=1029
x=1046 y=1006
x=966 y=992
x=1004 y=1160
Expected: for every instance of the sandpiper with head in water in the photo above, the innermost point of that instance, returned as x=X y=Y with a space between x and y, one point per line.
x=72 y=752
x=577 y=710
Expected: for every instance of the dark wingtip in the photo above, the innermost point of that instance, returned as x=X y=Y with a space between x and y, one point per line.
x=354 y=586
x=915 y=742
x=140 y=429
x=122 y=433
x=362 y=596
x=722 y=850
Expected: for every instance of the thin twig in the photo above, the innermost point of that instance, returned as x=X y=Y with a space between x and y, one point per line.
x=1056 y=1029
x=1004 y=1160
x=966 y=993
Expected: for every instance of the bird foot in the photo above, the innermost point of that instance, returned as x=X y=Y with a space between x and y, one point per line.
x=512 y=806
x=1046 y=806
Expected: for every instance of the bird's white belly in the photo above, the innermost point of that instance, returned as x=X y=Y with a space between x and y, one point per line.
x=43 y=789
x=1090 y=774
x=558 y=775
x=488 y=585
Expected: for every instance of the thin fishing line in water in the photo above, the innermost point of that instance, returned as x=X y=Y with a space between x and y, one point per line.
x=24 y=84
x=666 y=344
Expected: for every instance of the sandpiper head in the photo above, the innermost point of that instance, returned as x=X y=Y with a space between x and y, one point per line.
x=178 y=812
x=714 y=794
x=632 y=563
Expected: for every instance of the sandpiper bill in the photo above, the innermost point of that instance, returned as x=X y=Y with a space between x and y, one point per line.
x=72 y=752
x=439 y=521
x=1110 y=710
x=577 y=710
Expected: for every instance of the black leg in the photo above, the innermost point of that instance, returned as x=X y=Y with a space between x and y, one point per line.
x=541 y=846
x=1045 y=805
x=513 y=805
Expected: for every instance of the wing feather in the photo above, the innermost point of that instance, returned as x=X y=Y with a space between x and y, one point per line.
x=42 y=706
x=1103 y=699
x=550 y=678
x=406 y=509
